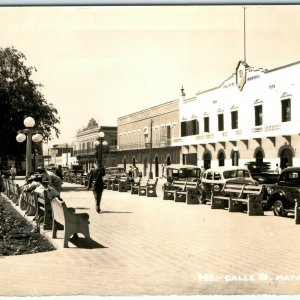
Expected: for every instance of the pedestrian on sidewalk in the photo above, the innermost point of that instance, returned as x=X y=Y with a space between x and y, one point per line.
x=13 y=172
x=96 y=184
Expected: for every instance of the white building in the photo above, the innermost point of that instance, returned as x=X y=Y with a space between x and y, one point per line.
x=253 y=115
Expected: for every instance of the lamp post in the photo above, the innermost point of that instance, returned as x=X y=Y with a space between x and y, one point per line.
x=99 y=143
x=32 y=135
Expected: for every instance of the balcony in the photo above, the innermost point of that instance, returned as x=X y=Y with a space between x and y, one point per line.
x=142 y=145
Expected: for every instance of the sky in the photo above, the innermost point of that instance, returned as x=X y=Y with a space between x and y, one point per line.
x=105 y=62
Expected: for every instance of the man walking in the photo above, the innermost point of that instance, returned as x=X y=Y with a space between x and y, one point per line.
x=96 y=183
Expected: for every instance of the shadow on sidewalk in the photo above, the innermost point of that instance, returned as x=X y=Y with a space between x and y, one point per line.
x=73 y=188
x=82 y=242
x=115 y=212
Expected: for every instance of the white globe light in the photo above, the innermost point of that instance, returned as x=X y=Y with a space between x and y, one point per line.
x=101 y=134
x=29 y=122
x=37 y=137
x=97 y=143
x=21 y=137
x=104 y=143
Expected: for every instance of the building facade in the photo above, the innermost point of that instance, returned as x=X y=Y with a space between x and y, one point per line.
x=145 y=138
x=251 y=116
x=85 y=147
x=60 y=154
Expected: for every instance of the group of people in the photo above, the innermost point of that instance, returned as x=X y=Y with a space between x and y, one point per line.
x=42 y=180
x=278 y=169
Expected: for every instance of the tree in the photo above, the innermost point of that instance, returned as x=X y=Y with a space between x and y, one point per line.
x=20 y=97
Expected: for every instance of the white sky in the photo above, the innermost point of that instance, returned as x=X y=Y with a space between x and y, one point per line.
x=104 y=62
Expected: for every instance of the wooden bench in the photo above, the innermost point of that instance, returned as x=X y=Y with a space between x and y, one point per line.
x=110 y=181
x=115 y=183
x=122 y=184
x=43 y=212
x=135 y=186
x=12 y=190
x=189 y=194
x=239 y=195
x=72 y=222
x=142 y=190
x=175 y=186
x=151 y=188
x=28 y=203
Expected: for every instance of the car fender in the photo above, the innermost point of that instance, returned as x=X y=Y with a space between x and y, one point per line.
x=278 y=194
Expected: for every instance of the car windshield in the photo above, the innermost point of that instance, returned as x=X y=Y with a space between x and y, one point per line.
x=236 y=174
x=184 y=173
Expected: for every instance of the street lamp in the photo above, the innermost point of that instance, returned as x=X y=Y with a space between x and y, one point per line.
x=99 y=143
x=32 y=134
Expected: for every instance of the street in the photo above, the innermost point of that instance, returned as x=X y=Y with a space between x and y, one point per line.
x=150 y=246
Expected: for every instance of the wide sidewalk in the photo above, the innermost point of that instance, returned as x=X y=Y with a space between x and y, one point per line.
x=150 y=246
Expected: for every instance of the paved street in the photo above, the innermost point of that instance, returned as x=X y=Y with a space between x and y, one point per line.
x=148 y=246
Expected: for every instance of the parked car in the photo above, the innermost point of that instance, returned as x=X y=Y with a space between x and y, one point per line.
x=182 y=172
x=214 y=179
x=261 y=172
x=110 y=171
x=286 y=191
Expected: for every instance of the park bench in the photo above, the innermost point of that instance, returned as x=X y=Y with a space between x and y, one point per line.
x=151 y=188
x=43 y=213
x=83 y=179
x=142 y=190
x=189 y=194
x=239 y=195
x=110 y=182
x=122 y=184
x=12 y=190
x=175 y=186
x=72 y=222
x=115 y=183
x=135 y=185
x=28 y=203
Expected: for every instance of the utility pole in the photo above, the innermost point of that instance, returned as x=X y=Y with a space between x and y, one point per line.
x=151 y=174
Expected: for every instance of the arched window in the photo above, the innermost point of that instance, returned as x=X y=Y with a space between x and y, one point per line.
x=207 y=160
x=221 y=159
x=168 y=160
x=259 y=157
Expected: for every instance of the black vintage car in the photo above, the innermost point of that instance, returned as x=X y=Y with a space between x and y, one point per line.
x=261 y=172
x=286 y=192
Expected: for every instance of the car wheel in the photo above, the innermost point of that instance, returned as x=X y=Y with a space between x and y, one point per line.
x=278 y=209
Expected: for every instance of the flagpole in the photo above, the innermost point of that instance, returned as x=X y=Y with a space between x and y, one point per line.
x=244 y=33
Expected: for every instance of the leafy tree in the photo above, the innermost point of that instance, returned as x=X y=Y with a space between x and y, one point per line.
x=20 y=97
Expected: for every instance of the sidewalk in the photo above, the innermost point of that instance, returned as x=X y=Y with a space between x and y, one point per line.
x=150 y=246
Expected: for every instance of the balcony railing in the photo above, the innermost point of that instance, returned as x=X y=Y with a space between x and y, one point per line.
x=142 y=145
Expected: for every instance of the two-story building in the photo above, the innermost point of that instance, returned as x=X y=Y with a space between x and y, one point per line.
x=145 y=138
x=252 y=115
x=85 y=147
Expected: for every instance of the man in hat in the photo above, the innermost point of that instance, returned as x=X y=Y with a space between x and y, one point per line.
x=51 y=178
x=96 y=183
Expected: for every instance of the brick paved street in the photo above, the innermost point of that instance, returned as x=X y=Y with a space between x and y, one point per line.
x=148 y=246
